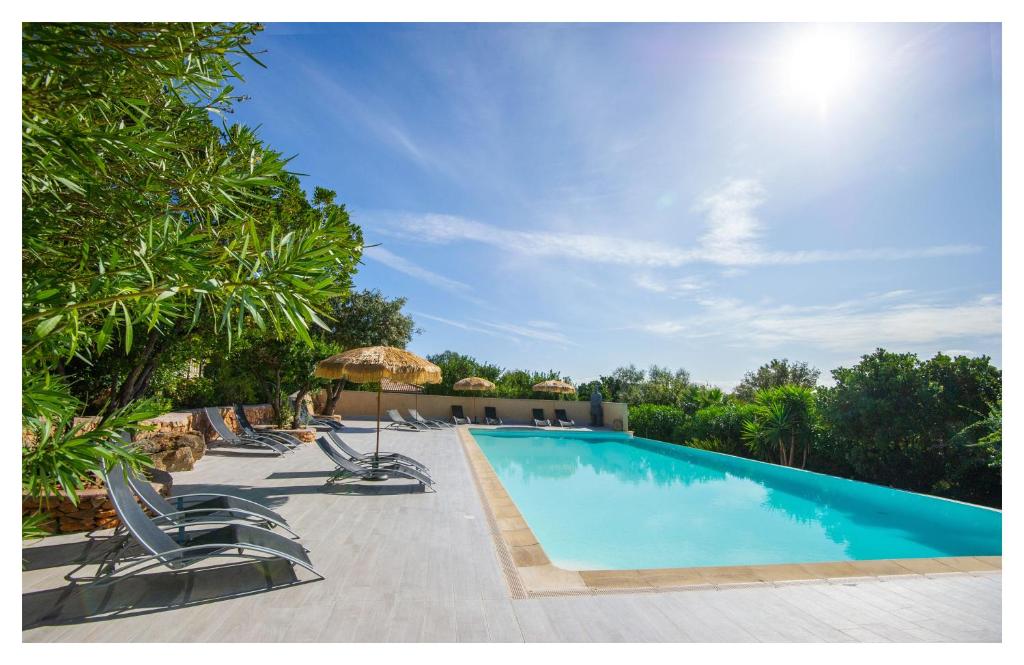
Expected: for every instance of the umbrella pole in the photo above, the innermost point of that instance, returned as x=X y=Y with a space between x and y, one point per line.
x=376 y=453
x=377 y=473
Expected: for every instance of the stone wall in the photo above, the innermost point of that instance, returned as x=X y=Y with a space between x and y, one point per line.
x=94 y=509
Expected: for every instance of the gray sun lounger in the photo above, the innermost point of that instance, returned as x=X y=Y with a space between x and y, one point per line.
x=222 y=430
x=433 y=424
x=491 y=416
x=346 y=467
x=458 y=417
x=398 y=422
x=201 y=506
x=248 y=430
x=191 y=547
x=306 y=419
x=363 y=458
x=539 y=420
x=563 y=419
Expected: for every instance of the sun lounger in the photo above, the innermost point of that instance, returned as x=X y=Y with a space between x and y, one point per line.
x=225 y=433
x=306 y=419
x=249 y=430
x=346 y=467
x=433 y=424
x=398 y=422
x=458 y=417
x=563 y=419
x=189 y=508
x=191 y=547
x=364 y=458
x=491 y=416
x=539 y=420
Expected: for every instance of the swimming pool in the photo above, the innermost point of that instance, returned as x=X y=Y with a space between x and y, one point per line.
x=606 y=501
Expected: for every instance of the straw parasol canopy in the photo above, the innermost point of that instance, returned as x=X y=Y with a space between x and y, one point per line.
x=554 y=386
x=370 y=364
x=374 y=364
x=473 y=383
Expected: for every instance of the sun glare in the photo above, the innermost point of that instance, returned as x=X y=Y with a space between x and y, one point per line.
x=820 y=67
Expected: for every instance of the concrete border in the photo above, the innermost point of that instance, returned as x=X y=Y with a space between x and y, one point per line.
x=528 y=570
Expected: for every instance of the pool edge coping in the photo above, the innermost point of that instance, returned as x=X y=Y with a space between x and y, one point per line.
x=529 y=572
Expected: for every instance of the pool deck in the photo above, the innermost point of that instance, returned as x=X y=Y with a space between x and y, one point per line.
x=404 y=565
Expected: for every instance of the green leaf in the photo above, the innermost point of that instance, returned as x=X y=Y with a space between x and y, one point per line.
x=46 y=326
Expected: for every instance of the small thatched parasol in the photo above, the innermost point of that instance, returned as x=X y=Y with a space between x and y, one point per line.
x=555 y=386
x=373 y=364
x=473 y=383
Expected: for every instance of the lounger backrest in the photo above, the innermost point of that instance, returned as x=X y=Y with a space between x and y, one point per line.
x=457 y=411
x=149 y=496
x=395 y=416
x=243 y=420
x=336 y=457
x=415 y=415
x=538 y=414
x=149 y=535
x=342 y=446
x=491 y=412
x=218 y=424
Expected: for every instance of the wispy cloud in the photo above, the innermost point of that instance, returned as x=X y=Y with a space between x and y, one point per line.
x=671 y=286
x=733 y=238
x=510 y=331
x=733 y=229
x=850 y=326
x=403 y=265
x=464 y=326
x=527 y=332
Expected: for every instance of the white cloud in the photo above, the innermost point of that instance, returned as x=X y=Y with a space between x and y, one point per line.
x=850 y=326
x=510 y=331
x=733 y=229
x=395 y=262
x=543 y=335
x=464 y=326
x=672 y=286
x=733 y=238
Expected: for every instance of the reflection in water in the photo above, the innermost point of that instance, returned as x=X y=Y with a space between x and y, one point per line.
x=636 y=503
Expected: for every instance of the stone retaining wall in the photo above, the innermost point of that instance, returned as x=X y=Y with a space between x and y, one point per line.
x=94 y=510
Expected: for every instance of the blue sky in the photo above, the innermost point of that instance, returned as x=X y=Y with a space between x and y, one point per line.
x=706 y=196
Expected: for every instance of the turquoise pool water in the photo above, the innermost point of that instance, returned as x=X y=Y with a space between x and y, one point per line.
x=602 y=501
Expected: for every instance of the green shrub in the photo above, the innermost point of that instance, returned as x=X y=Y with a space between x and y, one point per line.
x=654 y=421
x=718 y=428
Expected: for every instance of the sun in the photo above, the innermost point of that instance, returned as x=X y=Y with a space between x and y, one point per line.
x=820 y=67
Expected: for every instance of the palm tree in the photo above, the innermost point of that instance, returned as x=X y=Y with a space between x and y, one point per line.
x=783 y=415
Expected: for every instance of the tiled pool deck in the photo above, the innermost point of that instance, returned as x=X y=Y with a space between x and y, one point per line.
x=403 y=565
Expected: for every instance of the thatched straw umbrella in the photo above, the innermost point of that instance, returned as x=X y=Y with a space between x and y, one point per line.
x=555 y=386
x=473 y=383
x=370 y=364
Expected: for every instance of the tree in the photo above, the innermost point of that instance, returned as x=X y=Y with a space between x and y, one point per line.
x=366 y=318
x=784 y=418
x=989 y=429
x=776 y=373
x=620 y=383
x=262 y=367
x=660 y=386
x=896 y=420
x=144 y=221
